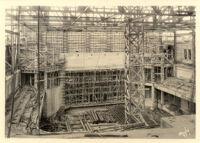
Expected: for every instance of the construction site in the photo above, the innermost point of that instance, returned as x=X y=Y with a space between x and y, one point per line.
x=96 y=72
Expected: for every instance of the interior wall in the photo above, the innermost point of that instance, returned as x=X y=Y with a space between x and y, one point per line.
x=184 y=72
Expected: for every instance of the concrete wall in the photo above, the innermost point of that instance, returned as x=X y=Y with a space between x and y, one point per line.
x=187 y=107
x=184 y=68
x=12 y=82
x=91 y=61
x=184 y=42
x=53 y=100
x=184 y=72
x=180 y=52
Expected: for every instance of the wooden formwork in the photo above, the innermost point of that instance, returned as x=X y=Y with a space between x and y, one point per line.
x=93 y=87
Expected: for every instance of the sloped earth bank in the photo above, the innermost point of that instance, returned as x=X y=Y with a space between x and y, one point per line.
x=25 y=112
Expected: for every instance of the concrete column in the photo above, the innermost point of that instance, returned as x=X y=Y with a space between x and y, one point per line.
x=152 y=74
x=162 y=73
x=153 y=98
x=45 y=80
x=162 y=99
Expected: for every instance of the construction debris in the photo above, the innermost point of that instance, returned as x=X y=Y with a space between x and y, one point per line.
x=25 y=112
x=117 y=112
x=109 y=119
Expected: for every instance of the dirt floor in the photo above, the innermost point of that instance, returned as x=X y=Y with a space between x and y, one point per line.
x=172 y=133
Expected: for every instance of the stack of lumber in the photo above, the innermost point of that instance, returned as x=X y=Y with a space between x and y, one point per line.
x=100 y=117
x=117 y=111
x=104 y=127
x=75 y=123
x=86 y=126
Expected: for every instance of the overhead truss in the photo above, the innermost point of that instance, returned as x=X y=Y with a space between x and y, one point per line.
x=93 y=18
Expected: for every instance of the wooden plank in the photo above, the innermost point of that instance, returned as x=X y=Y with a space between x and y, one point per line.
x=135 y=118
x=89 y=127
x=154 y=121
x=81 y=121
x=108 y=128
x=86 y=126
x=143 y=120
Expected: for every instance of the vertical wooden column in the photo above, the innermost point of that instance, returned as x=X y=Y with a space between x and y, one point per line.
x=62 y=82
x=153 y=96
x=38 y=66
x=162 y=69
x=162 y=99
x=126 y=77
x=12 y=47
x=44 y=110
x=45 y=60
x=162 y=72
x=142 y=98
x=193 y=53
x=174 y=55
x=194 y=62
x=18 y=37
x=12 y=71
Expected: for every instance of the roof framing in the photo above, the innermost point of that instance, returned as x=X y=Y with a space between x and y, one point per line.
x=94 y=18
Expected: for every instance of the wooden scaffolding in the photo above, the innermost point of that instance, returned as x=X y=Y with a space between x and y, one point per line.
x=93 y=87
